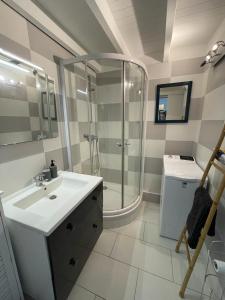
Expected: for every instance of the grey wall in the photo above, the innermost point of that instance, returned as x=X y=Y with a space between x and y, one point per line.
x=199 y=136
x=171 y=138
x=212 y=121
x=19 y=163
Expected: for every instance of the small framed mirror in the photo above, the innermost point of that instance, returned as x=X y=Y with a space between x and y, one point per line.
x=173 y=102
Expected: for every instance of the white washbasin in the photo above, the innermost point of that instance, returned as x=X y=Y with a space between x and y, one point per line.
x=44 y=207
x=51 y=197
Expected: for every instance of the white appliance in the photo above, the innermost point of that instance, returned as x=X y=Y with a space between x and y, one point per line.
x=180 y=180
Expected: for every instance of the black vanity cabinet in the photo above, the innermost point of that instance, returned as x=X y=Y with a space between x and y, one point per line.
x=71 y=243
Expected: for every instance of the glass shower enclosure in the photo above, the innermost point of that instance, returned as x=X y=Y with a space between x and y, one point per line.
x=103 y=99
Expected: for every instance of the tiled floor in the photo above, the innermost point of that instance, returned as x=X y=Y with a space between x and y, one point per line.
x=134 y=263
x=112 y=196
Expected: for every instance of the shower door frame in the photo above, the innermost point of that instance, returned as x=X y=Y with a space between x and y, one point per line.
x=95 y=57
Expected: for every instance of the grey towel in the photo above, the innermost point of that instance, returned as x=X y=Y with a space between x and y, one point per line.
x=198 y=215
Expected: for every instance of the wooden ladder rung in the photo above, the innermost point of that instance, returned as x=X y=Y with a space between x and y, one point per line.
x=221 y=169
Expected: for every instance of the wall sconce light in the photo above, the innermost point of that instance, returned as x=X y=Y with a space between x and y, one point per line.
x=215 y=54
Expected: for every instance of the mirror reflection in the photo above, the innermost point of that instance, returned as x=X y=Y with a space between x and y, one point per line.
x=172 y=102
x=27 y=101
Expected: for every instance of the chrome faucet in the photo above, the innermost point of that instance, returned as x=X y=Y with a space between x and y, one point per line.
x=39 y=179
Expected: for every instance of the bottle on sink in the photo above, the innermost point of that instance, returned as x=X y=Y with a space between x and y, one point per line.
x=53 y=169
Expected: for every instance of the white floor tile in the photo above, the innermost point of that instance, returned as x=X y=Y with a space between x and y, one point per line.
x=180 y=266
x=151 y=235
x=155 y=288
x=105 y=242
x=108 y=278
x=134 y=229
x=149 y=212
x=78 y=293
x=153 y=259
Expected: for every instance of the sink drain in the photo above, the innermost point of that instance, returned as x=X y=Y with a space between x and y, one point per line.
x=105 y=187
x=52 y=197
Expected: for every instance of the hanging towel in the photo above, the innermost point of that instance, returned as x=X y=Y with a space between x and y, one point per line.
x=198 y=215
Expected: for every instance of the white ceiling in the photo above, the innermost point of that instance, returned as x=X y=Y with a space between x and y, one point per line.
x=145 y=29
x=142 y=25
x=196 y=21
x=77 y=20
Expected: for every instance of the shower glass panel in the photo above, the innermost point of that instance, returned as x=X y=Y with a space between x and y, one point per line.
x=109 y=129
x=133 y=78
x=104 y=99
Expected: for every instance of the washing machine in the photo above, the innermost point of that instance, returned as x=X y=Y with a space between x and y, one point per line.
x=181 y=177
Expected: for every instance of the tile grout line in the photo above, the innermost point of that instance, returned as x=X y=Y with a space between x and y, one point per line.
x=89 y=291
x=113 y=245
x=171 y=259
x=150 y=273
x=135 y=291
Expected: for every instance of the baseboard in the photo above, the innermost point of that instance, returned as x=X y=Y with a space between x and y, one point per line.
x=151 y=197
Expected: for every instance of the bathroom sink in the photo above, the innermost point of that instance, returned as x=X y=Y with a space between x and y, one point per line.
x=49 y=198
x=44 y=207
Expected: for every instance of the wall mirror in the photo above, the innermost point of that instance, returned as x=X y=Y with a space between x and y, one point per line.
x=27 y=101
x=173 y=102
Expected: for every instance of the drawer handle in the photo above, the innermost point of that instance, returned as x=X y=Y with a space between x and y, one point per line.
x=72 y=262
x=95 y=226
x=184 y=184
x=94 y=198
x=69 y=226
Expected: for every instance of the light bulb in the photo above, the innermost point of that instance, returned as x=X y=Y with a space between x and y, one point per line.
x=208 y=58
x=215 y=47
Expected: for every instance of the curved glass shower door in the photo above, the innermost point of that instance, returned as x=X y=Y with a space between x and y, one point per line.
x=105 y=124
x=134 y=92
x=109 y=129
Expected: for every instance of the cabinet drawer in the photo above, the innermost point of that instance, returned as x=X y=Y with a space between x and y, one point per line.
x=71 y=243
x=74 y=222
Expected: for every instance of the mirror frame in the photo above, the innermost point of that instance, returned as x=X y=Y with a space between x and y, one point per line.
x=159 y=86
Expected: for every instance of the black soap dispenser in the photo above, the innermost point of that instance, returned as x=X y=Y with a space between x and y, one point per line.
x=53 y=169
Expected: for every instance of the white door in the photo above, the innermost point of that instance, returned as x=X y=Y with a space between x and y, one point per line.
x=9 y=283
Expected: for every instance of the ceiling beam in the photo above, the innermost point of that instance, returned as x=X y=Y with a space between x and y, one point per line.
x=170 y=18
x=105 y=18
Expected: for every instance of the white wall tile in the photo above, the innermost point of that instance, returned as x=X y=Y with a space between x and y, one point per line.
x=16 y=175
x=134 y=111
x=214 y=105
x=84 y=151
x=82 y=111
x=74 y=133
x=134 y=147
x=52 y=144
x=111 y=161
x=150 y=114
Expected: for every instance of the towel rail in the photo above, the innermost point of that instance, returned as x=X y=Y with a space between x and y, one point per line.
x=183 y=238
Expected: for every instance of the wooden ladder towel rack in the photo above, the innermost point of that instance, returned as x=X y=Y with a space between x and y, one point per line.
x=183 y=236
